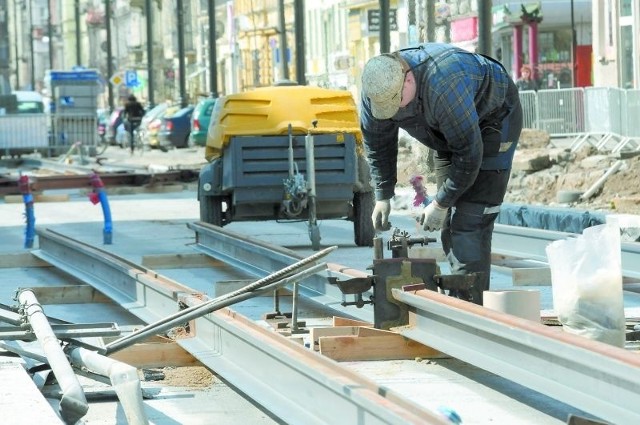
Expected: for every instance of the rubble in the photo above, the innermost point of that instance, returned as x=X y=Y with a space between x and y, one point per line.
x=546 y=173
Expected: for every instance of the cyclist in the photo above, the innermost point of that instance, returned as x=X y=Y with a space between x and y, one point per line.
x=133 y=113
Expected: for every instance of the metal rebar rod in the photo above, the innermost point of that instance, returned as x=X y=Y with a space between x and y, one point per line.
x=73 y=404
x=249 y=291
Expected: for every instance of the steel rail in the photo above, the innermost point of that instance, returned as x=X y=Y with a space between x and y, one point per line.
x=293 y=382
x=598 y=378
x=261 y=258
x=525 y=242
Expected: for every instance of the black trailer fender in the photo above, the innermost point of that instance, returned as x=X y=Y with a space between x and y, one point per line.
x=210 y=179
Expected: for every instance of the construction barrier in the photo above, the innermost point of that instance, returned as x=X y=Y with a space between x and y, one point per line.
x=603 y=117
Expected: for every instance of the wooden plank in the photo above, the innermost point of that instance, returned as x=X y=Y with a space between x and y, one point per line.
x=343 y=321
x=297 y=339
x=21 y=402
x=17 y=199
x=316 y=333
x=367 y=332
x=156 y=354
x=25 y=259
x=180 y=261
x=388 y=347
x=71 y=294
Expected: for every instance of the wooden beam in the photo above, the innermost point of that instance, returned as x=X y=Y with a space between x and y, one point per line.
x=376 y=345
x=343 y=321
x=71 y=294
x=16 y=199
x=316 y=333
x=156 y=354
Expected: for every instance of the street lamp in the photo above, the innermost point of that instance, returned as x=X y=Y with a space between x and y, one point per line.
x=76 y=10
x=107 y=17
x=31 y=52
x=15 y=32
x=150 y=79
x=573 y=47
x=50 y=31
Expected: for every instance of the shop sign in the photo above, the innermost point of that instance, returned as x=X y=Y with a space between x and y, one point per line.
x=373 y=20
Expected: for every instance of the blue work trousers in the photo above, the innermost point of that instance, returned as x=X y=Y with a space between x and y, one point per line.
x=466 y=234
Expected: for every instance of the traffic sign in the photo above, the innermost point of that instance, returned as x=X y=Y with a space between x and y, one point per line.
x=116 y=79
x=86 y=75
x=131 y=78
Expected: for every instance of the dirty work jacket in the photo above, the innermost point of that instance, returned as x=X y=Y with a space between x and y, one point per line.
x=460 y=102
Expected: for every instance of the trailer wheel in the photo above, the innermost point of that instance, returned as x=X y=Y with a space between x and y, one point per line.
x=211 y=209
x=362 y=224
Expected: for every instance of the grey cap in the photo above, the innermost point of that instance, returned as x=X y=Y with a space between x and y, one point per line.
x=382 y=82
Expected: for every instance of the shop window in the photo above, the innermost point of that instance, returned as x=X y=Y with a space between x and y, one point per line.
x=554 y=57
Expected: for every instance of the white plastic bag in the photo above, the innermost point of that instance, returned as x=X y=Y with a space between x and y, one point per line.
x=586 y=277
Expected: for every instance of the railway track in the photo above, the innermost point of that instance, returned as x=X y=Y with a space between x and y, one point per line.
x=297 y=385
x=49 y=174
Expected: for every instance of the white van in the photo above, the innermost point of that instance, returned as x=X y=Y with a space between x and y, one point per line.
x=29 y=102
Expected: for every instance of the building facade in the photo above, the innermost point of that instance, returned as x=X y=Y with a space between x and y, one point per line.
x=616 y=43
x=569 y=42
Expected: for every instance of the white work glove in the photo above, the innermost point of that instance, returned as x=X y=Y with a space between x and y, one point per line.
x=380 y=216
x=433 y=217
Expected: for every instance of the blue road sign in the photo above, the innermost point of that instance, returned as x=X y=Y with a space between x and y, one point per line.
x=131 y=78
x=88 y=75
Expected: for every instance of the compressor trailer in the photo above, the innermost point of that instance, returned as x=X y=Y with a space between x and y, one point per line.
x=263 y=165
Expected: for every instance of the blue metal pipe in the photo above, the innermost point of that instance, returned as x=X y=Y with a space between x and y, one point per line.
x=29 y=213
x=100 y=195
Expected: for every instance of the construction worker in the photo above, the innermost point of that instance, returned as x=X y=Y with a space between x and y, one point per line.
x=465 y=107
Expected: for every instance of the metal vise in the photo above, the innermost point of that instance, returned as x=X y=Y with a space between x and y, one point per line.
x=400 y=271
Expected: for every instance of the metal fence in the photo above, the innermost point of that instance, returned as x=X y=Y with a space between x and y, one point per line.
x=23 y=133
x=68 y=130
x=50 y=135
x=604 y=117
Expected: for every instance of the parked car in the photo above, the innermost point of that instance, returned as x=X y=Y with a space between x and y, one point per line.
x=141 y=133
x=200 y=121
x=150 y=125
x=29 y=102
x=175 y=129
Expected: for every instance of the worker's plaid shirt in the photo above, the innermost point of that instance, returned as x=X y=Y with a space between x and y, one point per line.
x=458 y=94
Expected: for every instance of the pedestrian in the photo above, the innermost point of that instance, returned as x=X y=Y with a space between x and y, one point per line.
x=133 y=113
x=465 y=107
x=525 y=82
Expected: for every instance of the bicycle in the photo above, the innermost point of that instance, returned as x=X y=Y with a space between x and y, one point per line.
x=133 y=139
x=102 y=144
